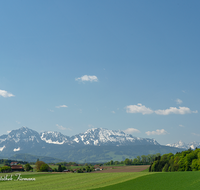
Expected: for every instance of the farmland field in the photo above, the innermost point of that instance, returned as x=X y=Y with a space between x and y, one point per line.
x=114 y=169
x=69 y=180
x=106 y=181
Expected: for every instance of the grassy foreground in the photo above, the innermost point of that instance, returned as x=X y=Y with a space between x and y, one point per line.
x=107 y=181
x=164 y=181
x=69 y=180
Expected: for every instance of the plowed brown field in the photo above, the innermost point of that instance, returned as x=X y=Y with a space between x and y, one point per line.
x=109 y=169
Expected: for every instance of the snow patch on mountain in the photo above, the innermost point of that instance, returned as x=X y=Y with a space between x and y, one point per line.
x=76 y=140
x=16 y=149
x=1 y=148
x=3 y=138
x=52 y=137
x=52 y=142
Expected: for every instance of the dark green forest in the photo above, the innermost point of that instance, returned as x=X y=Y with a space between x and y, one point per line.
x=188 y=160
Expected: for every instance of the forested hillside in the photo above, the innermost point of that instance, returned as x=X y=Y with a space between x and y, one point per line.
x=188 y=160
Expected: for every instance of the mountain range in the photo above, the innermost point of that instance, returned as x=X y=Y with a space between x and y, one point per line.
x=181 y=144
x=96 y=144
x=24 y=137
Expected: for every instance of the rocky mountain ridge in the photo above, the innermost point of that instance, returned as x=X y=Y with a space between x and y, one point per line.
x=94 y=136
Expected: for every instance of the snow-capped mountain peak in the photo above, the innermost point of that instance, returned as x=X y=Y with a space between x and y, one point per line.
x=23 y=134
x=181 y=144
x=23 y=139
x=101 y=136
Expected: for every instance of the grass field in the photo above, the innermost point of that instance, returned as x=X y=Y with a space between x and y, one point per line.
x=106 y=181
x=69 y=181
x=158 y=181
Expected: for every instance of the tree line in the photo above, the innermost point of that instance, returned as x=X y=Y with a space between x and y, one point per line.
x=188 y=160
x=139 y=160
x=7 y=162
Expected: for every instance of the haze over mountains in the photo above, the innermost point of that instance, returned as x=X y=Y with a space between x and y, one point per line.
x=94 y=144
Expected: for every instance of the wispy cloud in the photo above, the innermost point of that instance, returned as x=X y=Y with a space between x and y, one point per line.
x=5 y=94
x=113 y=112
x=139 y=108
x=157 y=132
x=181 y=126
x=60 y=127
x=91 y=126
x=18 y=122
x=195 y=134
x=131 y=130
x=61 y=106
x=86 y=78
x=174 y=110
x=179 y=101
x=51 y=110
x=63 y=128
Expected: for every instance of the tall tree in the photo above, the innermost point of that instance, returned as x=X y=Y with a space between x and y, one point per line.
x=38 y=164
x=44 y=168
x=28 y=167
x=59 y=168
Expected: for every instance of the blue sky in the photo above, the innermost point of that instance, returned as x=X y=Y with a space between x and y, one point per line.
x=69 y=66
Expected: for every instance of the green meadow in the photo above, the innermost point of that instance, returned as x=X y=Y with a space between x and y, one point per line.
x=69 y=180
x=158 y=181
x=105 y=181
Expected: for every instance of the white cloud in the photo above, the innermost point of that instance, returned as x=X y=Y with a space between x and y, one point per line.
x=131 y=130
x=18 y=122
x=61 y=127
x=113 y=112
x=51 y=110
x=157 y=132
x=181 y=126
x=87 y=78
x=139 y=108
x=61 y=106
x=174 y=110
x=5 y=94
x=179 y=101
